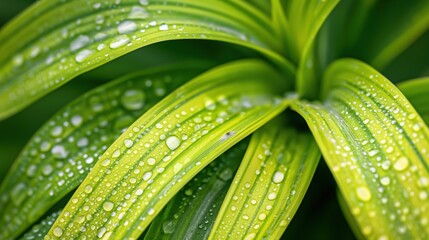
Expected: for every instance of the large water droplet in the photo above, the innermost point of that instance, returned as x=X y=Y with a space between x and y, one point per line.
x=138 y=13
x=59 y=152
x=119 y=41
x=108 y=206
x=278 y=177
x=82 y=55
x=168 y=226
x=163 y=27
x=18 y=193
x=58 y=232
x=127 y=27
x=128 y=143
x=363 y=193
x=79 y=42
x=401 y=164
x=133 y=99
x=172 y=142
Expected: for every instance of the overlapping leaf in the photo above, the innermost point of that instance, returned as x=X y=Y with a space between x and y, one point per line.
x=54 y=40
x=269 y=185
x=142 y=170
x=192 y=212
x=376 y=146
x=39 y=230
x=417 y=92
x=60 y=155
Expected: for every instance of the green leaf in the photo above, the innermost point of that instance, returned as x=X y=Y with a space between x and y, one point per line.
x=39 y=230
x=305 y=19
x=192 y=212
x=269 y=185
x=60 y=155
x=54 y=40
x=349 y=216
x=417 y=92
x=376 y=146
x=149 y=163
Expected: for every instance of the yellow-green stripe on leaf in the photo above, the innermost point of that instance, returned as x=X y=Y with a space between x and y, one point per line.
x=376 y=146
x=269 y=185
x=159 y=153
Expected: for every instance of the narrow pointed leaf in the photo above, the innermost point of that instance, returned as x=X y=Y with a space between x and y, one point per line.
x=192 y=212
x=417 y=92
x=305 y=19
x=269 y=185
x=376 y=146
x=54 y=40
x=39 y=230
x=61 y=153
x=149 y=163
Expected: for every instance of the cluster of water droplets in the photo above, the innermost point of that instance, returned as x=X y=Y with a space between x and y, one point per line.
x=380 y=156
x=63 y=151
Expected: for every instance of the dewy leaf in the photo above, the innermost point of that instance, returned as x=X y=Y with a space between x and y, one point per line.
x=192 y=212
x=39 y=230
x=269 y=185
x=376 y=146
x=349 y=217
x=145 y=167
x=56 y=40
x=62 y=152
x=417 y=92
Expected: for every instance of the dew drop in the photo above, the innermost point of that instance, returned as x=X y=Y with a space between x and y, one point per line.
x=139 y=192
x=401 y=164
x=88 y=189
x=151 y=161
x=147 y=176
x=79 y=42
x=374 y=152
x=423 y=195
x=108 y=206
x=151 y=211
x=76 y=120
x=127 y=27
x=58 y=232
x=105 y=163
x=250 y=236
x=128 y=143
x=17 y=193
x=57 y=131
x=144 y=2
x=133 y=99
x=262 y=216
x=172 y=142
x=59 y=152
x=272 y=196
x=363 y=193
x=47 y=169
x=278 y=177
x=31 y=171
x=138 y=13
x=83 y=142
x=119 y=41
x=168 y=226
x=163 y=27
x=82 y=55
x=385 y=181
x=101 y=232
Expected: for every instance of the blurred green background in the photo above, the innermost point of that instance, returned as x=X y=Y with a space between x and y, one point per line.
x=319 y=216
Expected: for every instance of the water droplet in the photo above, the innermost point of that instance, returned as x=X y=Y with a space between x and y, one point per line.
x=172 y=142
x=57 y=131
x=76 y=120
x=17 y=193
x=272 y=196
x=226 y=174
x=82 y=55
x=59 y=152
x=138 y=13
x=278 y=177
x=139 y=192
x=133 y=99
x=127 y=27
x=401 y=164
x=47 y=169
x=385 y=181
x=151 y=161
x=144 y=2
x=151 y=211
x=262 y=216
x=423 y=195
x=83 y=142
x=79 y=42
x=374 y=152
x=168 y=226
x=363 y=193
x=119 y=41
x=128 y=143
x=108 y=206
x=177 y=167
x=101 y=232
x=147 y=175
x=58 y=232
x=250 y=236
x=88 y=189
x=31 y=171
x=105 y=163
x=163 y=27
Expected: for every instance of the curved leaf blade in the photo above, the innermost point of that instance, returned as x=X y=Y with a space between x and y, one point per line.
x=192 y=212
x=55 y=40
x=269 y=185
x=376 y=145
x=39 y=230
x=417 y=92
x=63 y=151
x=167 y=146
